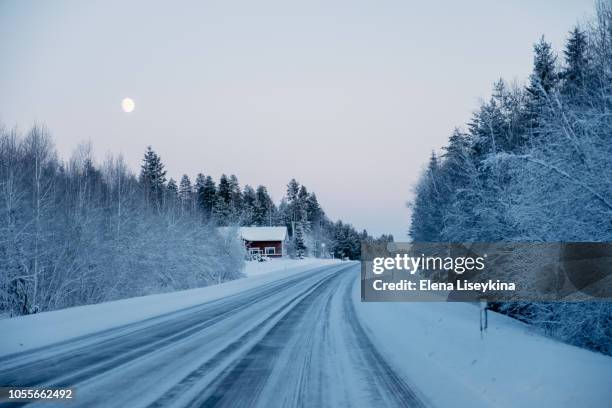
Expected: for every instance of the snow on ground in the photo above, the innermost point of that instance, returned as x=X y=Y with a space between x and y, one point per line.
x=28 y=332
x=254 y=268
x=438 y=346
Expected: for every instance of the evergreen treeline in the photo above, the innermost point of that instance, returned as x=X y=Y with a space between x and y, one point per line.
x=74 y=233
x=535 y=164
x=225 y=203
x=312 y=232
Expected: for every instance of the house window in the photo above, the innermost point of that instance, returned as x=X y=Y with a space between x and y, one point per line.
x=254 y=251
x=270 y=250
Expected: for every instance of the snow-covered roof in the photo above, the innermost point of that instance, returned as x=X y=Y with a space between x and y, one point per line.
x=254 y=234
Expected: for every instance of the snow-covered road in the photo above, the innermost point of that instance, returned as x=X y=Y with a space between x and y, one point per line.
x=294 y=341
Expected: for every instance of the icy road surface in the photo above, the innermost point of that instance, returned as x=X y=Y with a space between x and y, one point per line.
x=292 y=342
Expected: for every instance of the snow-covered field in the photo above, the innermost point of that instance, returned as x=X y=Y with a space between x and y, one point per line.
x=440 y=348
x=295 y=333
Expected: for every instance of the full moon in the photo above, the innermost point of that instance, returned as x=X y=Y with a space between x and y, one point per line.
x=128 y=105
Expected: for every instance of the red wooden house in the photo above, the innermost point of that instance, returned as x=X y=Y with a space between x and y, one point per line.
x=263 y=241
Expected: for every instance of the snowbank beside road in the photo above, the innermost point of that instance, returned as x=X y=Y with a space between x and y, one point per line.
x=254 y=268
x=438 y=347
x=28 y=332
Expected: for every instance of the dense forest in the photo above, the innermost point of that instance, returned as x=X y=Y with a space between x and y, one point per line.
x=535 y=165
x=225 y=203
x=75 y=232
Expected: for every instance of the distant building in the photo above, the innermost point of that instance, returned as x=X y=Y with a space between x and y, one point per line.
x=262 y=241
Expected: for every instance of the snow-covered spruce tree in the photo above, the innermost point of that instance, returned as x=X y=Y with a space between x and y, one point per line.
x=293 y=210
x=316 y=218
x=185 y=194
x=574 y=74
x=248 y=206
x=314 y=210
x=152 y=178
x=428 y=206
x=299 y=241
x=264 y=207
x=543 y=81
x=346 y=242
x=235 y=202
x=222 y=209
x=198 y=191
x=171 y=192
x=303 y=215
x=207 y=197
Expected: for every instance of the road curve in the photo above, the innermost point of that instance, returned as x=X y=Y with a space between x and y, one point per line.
x=295 y=342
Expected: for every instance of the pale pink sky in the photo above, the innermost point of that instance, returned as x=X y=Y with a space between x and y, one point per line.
x=348 y=97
